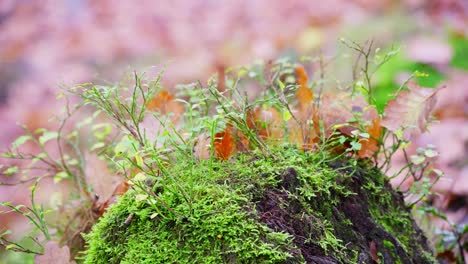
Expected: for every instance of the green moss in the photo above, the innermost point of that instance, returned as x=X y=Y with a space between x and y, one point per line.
x=251 y=209
x=219 y=230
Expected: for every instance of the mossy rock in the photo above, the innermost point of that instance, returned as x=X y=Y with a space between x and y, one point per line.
x=296 y=207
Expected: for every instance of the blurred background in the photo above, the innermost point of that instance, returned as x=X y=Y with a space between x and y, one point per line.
x=48 y=44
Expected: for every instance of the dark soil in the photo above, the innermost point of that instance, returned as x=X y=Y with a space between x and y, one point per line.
x=282 y=210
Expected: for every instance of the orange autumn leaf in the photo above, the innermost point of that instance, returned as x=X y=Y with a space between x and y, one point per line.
x=165 y=103
x=370 y=145
x=224 y=144
x=303 y=94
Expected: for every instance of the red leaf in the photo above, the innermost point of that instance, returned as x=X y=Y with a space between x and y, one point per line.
x=410 y=111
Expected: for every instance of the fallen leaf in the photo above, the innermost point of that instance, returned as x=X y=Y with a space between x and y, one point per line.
x=201 y=150
x=267 y=122
x=54 y=254
x=370 y=145
x=410 y=111
x=304 y=94
x=224 y=144
x=165 y=103
x=100 y=208
x=338 y=111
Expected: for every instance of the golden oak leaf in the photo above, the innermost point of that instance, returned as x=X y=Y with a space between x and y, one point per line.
x=304 y=94
x=409 y=111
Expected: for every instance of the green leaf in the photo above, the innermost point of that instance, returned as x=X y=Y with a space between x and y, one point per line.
x=139 y=160
x=73 y=162
x=38 y=157
x=97 y=146
x=242 y=72
x=46 y=136
x=364 y=135
x=355 y=145
x=286 y=115
x=60 y=176
x=8 y=154
x=417 y=159
x=431 y=153
x=438 y=172
x=20 y=141
x=11 y=170
x=102 y=130
x=10 y=246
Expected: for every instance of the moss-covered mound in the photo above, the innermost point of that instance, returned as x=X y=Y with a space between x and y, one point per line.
x=297 y=207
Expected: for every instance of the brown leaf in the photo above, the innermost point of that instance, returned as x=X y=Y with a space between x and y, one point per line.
x=100 y=208
x=221 y=69
x=121 y=188
x=54 y=254
x=201 y=150
x=410 y=111
x=224 y=144
x=267 y=122
x=303 y=94
x=339 y=110
x=373 y=251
